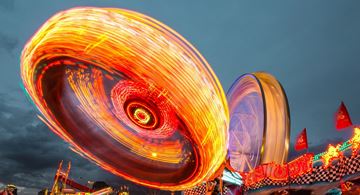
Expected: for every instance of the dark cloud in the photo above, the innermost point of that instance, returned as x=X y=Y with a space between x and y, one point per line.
x=30 y=152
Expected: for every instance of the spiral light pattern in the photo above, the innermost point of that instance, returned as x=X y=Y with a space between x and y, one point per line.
x=130 y=94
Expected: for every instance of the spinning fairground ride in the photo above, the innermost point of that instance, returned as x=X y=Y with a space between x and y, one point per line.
x=134 y=97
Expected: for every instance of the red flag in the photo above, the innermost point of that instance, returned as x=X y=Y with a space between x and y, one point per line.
x=342 y=118
x=301 y=141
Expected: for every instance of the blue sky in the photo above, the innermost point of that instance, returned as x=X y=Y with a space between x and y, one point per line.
x=310 y=46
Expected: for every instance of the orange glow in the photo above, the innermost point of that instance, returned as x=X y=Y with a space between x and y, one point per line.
x=280 y=172
x=355 y=141
x=331 y=154
x=72 y=68
x=277 y=134
x=301 y=165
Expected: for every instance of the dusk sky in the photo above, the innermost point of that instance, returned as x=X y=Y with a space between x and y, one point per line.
x=311 y=47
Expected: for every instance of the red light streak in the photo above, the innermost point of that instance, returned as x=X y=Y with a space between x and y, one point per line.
x=130 y=94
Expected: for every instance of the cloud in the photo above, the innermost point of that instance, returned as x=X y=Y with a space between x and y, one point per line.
x=30 y=153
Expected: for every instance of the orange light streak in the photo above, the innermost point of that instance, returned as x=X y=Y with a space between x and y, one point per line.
x=355 y=141
x=70 y=66
x=331 y=154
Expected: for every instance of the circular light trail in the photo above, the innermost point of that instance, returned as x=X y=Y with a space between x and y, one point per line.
x=130 y=94
x=259 y=122
x=247 y=123
x=142 y=116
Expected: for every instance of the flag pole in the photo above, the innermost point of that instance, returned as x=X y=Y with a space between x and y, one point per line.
x=307 y=144
x=307 y=150
x=288 y=173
